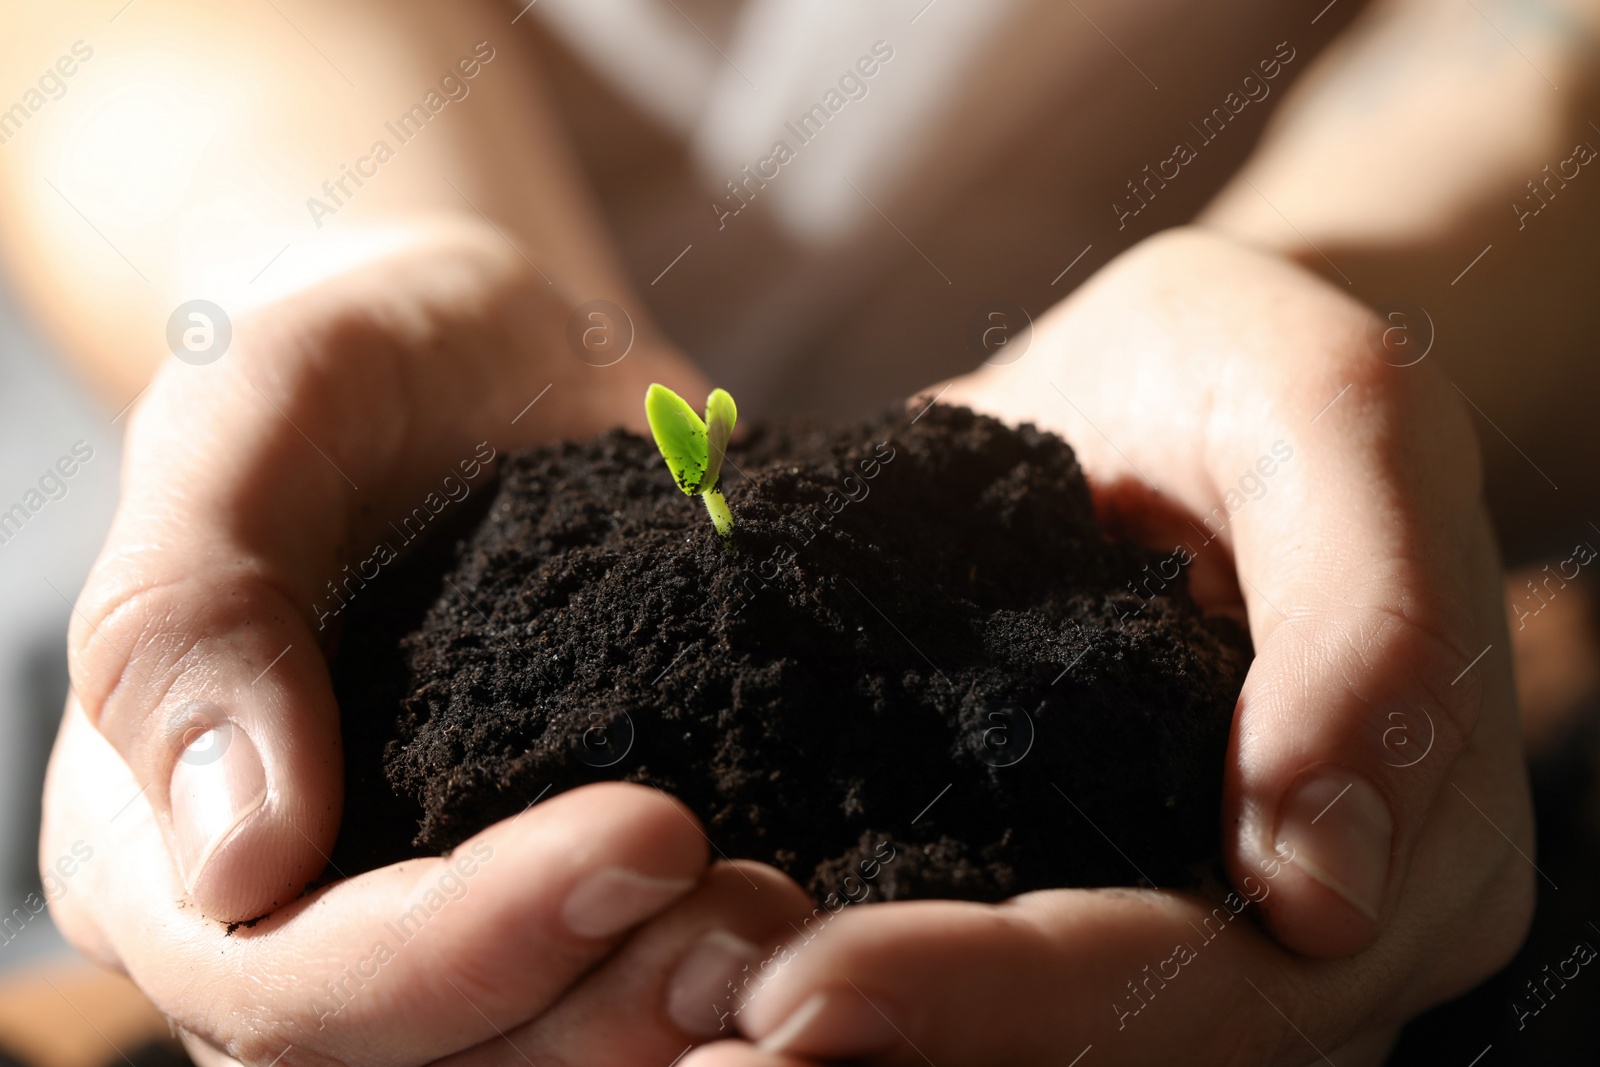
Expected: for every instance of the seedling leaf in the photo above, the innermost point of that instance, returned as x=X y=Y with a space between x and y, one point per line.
x=721 y=414
x=693 y=448
x=680 y=435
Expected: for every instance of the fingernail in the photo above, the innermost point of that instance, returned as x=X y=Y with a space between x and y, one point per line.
x=217 y=783
x=1340 y=829
x=833 y=1024
x=611 y=900
x=698 y=998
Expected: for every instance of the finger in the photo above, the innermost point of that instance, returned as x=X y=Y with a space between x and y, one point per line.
x=1381 y=645
x=680 y=979
x=1145 y=976
x=1368 y=570
x=248 y=483
x=1127 y=977
x=1036 y=981
x=401 y=965
x=739 y=1054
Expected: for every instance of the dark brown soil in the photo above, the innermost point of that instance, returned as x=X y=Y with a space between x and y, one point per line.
x=920 y=647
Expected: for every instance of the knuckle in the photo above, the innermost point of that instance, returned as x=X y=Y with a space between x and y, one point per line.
x=1419 y=662
x=120 y=632
x=1409 y=416
x=1388 y=399
x=142 y=637
x=1400 y=683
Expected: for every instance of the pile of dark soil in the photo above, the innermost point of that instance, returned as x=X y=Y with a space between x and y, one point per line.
x=919 y=644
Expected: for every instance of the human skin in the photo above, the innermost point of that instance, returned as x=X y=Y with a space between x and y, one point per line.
x=1410 y=148
x=231 y=522
x=1366 y=574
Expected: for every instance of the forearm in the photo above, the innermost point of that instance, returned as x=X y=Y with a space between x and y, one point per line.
x=1422 y=161
x=238 y=155
x=1429 y=115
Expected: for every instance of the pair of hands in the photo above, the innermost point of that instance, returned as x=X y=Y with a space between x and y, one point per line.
x=199 y=755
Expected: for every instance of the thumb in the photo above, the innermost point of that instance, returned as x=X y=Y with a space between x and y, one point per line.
x=1370 y=576
x=195 y=647
x=188 y=653
x=215 y=694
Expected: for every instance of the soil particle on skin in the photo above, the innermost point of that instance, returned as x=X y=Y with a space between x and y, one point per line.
x=920 y=664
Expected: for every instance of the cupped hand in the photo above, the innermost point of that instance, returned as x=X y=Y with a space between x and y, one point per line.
x=1229 y=409
x=197 y=778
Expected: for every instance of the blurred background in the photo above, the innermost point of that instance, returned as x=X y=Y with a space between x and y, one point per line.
x=43 y=411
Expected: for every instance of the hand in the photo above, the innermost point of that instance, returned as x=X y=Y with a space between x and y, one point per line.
x=1226 y=402
x=197 y=776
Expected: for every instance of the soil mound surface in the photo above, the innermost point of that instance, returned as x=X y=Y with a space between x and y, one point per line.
x=920 y=664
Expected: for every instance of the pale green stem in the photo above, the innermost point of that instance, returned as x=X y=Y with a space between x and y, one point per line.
x=721 y=517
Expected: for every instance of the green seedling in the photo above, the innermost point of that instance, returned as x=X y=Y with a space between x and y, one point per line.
x=694 y=447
